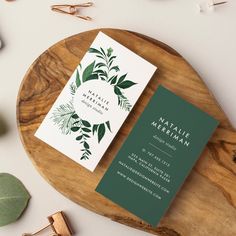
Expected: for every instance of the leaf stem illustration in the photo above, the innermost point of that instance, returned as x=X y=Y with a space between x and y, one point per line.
x=84 y=128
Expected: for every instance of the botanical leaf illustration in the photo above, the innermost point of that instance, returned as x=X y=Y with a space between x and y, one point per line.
x=101 y=132
x=104 y=68
x=75 y=129
x=77 y=79
x=124 y=102
x=13 y=199
x=86 y=123
x=63 y=117
x=117 y=91
x=88 y=71
x=92 y=76
x=126 y=84
x=73 y=89
x=100 y=64
x=86 y=130
x=94 y=50
x=116 y=68
x=79 y=137
x=114 y=79
x=109 y=52
x=84 y=127
x=106 y=71
x=75 y=116
x=100 y=129
x=106 y=65
x=111 y=59
x=86 y=145
x=95 y=128
x=121 y=79
x=103 y=52
x=108 y=125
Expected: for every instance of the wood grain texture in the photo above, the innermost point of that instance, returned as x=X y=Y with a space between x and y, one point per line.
x=205 y=205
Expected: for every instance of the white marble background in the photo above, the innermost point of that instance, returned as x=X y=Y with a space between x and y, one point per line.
x=28 y=27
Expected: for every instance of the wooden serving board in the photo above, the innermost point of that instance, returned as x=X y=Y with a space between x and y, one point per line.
x=205 y=205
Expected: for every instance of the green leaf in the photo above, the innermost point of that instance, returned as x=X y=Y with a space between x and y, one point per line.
x=86 y=145
x=76 y=122
x=108 y=125
x=75 y=116
x=117 y=91
x=98 y=71
x=121 y=79
x=109 y=52
x=73 y=88
x=126 y=84
x=93 y=76
x=86 y=130
x=116 y=68
x=75 y=129
x=62 y=117
x=112 y=78
x=111 y=58
x=94 y=50
x=105 y=73
x=95 y=127
x=101 y=132
x=89 y=152
x=113 y=81
x=124 y=103
x=100 y=57
x=100 y=64
x=79 y=137
x=84 y=157
x=85 y=135
x=14 y=199
x=88 y=71
x=77 y=79
x=110 y=63
x=103 y=52
x=86 y=123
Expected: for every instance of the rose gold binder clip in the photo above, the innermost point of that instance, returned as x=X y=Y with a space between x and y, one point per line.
x=58 y=224
x=72 y=10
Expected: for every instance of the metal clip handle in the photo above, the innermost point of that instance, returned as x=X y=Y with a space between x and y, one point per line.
x=72 y=9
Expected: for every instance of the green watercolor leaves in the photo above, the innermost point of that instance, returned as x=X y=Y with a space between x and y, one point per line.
x=109 y=52
x=94 y=50
x=102 y=68
x=77 y=79
x=87 y=74
x=100 y=129
x=101 y=132
x=84 y=128
x=14 y=198
x=86 y=123
x=126 y=84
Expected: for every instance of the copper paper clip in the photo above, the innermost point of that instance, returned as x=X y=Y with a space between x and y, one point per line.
x=72 y=9
x=58 y=224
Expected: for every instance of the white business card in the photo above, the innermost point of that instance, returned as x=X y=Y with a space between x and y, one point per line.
x=96 y=101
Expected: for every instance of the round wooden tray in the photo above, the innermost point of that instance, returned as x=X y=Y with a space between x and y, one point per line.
x=206 y=203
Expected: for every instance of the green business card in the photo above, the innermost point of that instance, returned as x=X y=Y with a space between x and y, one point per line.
x=157 y=156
